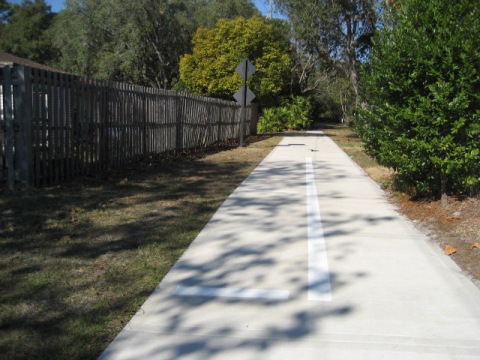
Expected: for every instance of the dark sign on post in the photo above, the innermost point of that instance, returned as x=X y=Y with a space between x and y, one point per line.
x=244 y=95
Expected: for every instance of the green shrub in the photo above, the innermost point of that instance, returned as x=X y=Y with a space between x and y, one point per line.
x=422 y=86
x=297 y=113
x=294 y=114
x=271 y=121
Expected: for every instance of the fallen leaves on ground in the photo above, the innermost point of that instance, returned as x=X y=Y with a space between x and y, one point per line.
x=449 y=250
x=475 y=245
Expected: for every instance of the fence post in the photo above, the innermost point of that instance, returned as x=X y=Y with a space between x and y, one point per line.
x=221 y=114
x=23 y=111
x=145 y=108
x=179 y=122
x=8 y=116
x=253 y=119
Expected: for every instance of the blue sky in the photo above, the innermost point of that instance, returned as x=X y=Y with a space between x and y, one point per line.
x=57 y=5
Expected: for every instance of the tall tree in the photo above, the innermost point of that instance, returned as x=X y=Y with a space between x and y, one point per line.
x=24 y=31
x=330 y=34
x=163 y=33
x=136 y=41
x=210 y=69
x=3 y=11
x=422 y=85
x=80 y=35
x=210 y=11
x=167 y=31
x=4 y=14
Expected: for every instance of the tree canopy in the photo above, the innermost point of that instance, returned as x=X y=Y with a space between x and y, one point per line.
x=210 y=11
x=210 y=69
x=137 y=41
x=24 y=30
x=422 y=86
x=330 y=36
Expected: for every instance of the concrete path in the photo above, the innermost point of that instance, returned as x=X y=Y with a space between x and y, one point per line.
x=307 y=260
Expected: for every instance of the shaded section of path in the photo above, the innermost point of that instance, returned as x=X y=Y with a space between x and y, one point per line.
x=244 y=281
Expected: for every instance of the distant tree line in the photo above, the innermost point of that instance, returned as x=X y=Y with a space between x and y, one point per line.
x=404 y=72
x=137 y=41
x=313 y=52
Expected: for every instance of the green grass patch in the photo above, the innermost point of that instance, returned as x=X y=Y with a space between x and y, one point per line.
x=79 y=259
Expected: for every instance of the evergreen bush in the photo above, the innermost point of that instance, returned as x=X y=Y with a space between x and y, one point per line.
x=294 y=114
x=422 y=87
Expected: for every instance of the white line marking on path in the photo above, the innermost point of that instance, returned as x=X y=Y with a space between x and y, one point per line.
x=269 y=191
x=231 y=293
x=318 y=272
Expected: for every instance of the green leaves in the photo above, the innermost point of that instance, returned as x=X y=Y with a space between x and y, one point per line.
x=333 y=36
x=210 y=69
x=135 y=41
x=24 y=31
x=422 y=88
x=294 y=114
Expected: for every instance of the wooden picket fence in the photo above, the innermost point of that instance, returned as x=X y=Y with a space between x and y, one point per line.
x=56 y=126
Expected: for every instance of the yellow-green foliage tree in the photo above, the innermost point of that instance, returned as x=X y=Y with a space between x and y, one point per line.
x=210 y=69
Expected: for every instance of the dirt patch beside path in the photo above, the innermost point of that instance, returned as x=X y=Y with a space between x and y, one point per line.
x=455 y=228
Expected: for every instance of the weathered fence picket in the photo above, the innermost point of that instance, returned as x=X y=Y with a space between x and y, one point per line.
x=8 y=119
x=55 y=126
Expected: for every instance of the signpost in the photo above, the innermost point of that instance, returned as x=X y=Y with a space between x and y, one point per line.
x=244 y=95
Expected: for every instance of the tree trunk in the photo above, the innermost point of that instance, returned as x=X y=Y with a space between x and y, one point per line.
x=352 y=71
x=443 y=190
